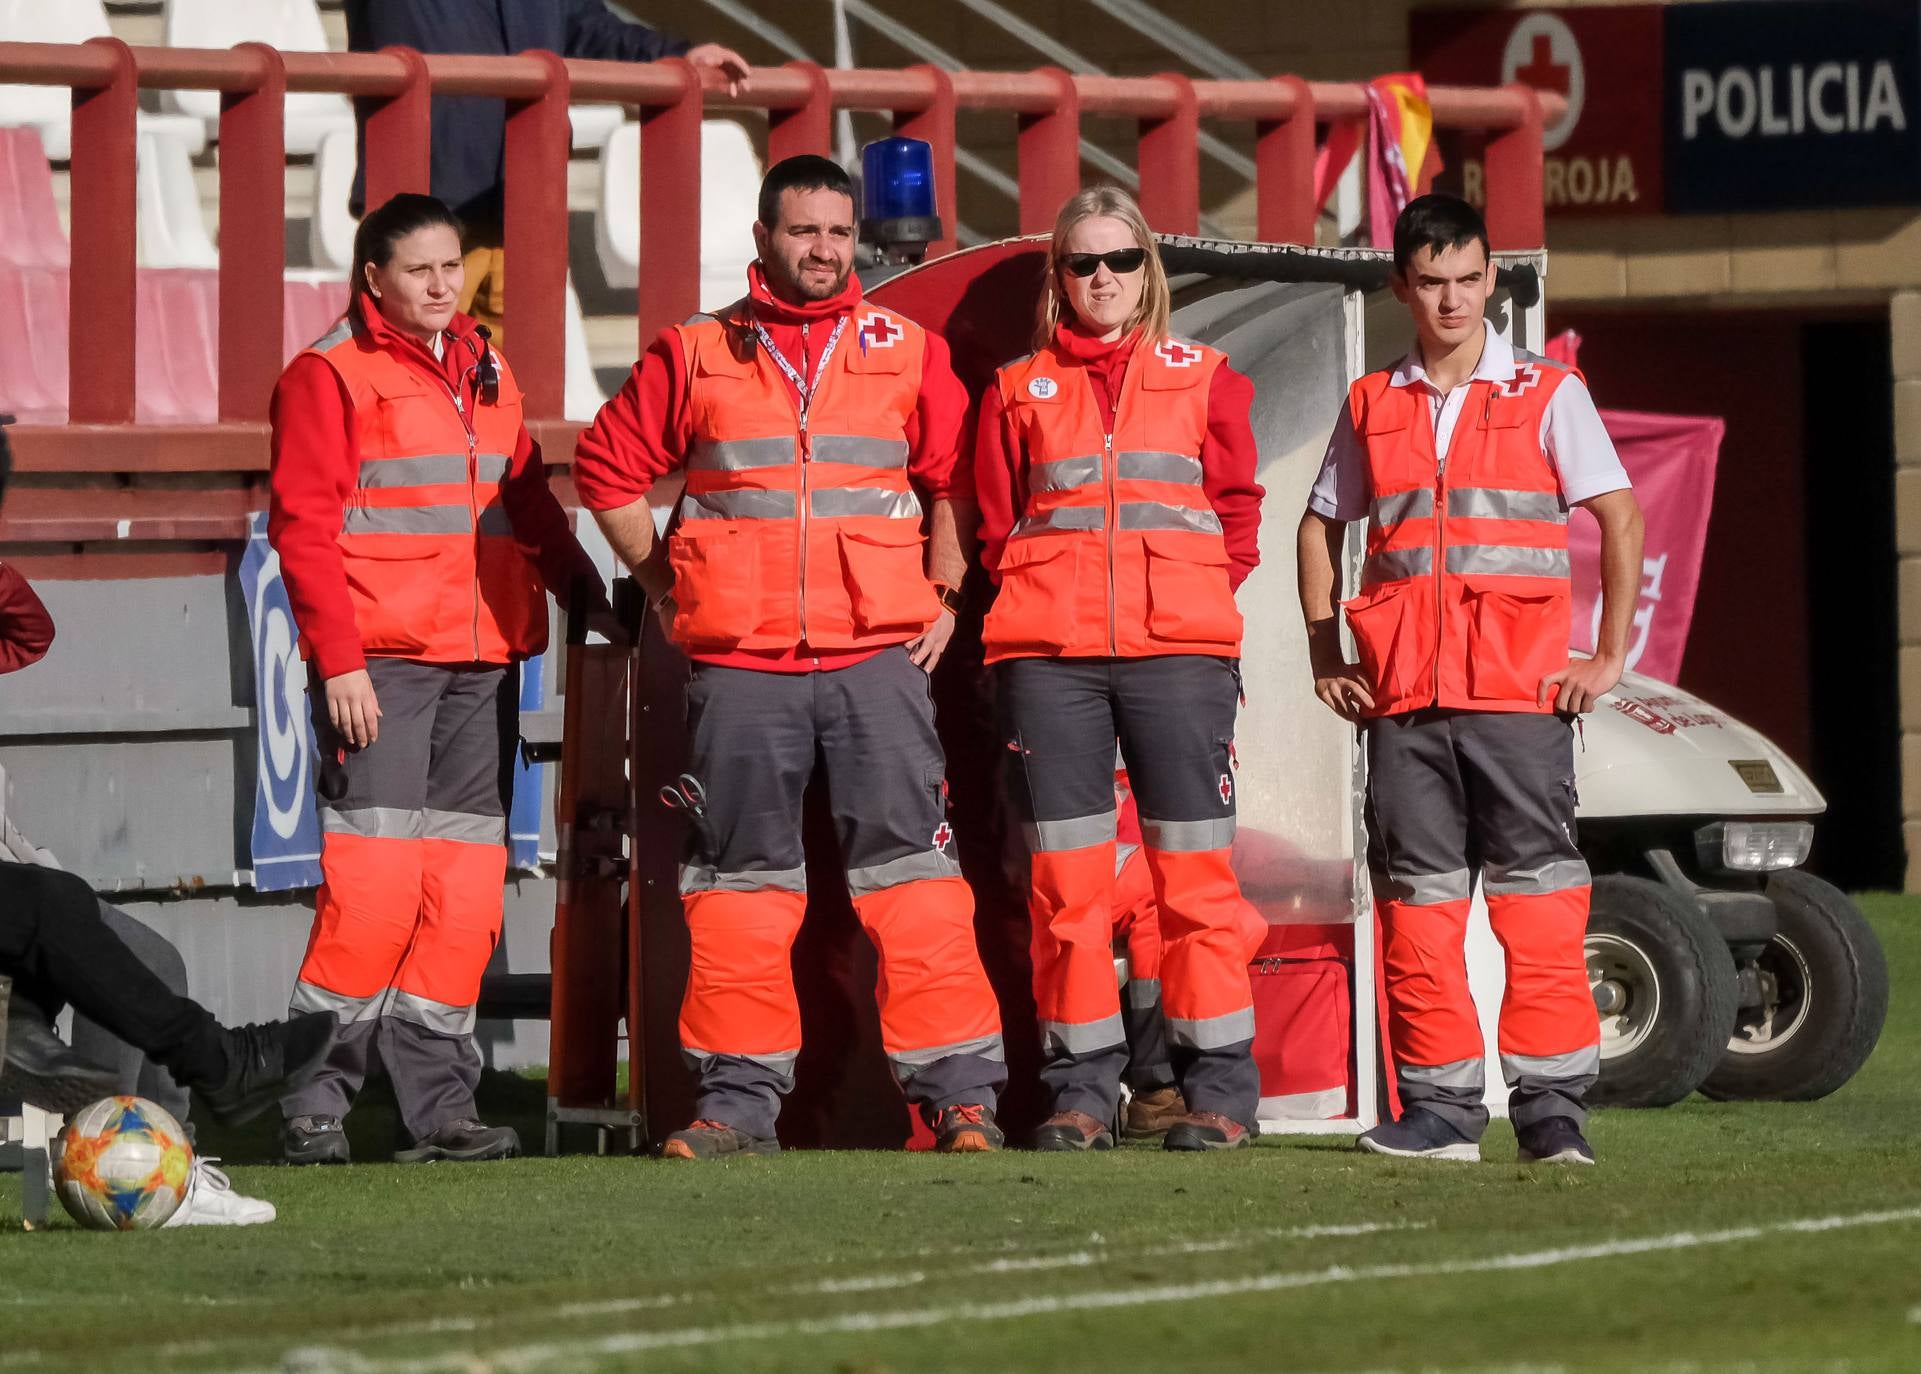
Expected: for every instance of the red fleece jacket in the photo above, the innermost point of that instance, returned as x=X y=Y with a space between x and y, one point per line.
x=316 y=465
x=1228 y=455
x=647 y=431
x=26 y=630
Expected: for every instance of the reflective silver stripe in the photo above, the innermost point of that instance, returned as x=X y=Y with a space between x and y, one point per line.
x=1064 y=473
x=1153 y=515
x=1142 y=993
x=408 y=520
x=1078 y=832
x=859 y=450
x=423 y=470
x=907 y=1063
x=1148 y=466
x=491 y=467
x=737 y=505
x=1082 y=1037
x=909 y=868
x=441 y=1017
x=373 y=822
x=1063 y=518
x=1462 y=1073
x=1188 y=837
x=738 y=455
x=1507 y=560
x=1310 y=1106
x=1402 y=505
x=1212 y=1032
x=1122 y=853
x=464 y=826
x=1584 y=1063
x=1422 y=889
x=339 y=334
x=776 y=1061
x=1391 y=565
x=834 y=502
x=495 y=520
x=701 y=878
x=1558 y=876
x=313 y=997
x=1500 y=503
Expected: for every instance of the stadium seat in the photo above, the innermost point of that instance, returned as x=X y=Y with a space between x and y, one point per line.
x=593 y=125
x=729 y=187
x=583 y=397
x=290 y=25
x=30 y=232
x=50 y=108
x=172 y=231
x=330 y=233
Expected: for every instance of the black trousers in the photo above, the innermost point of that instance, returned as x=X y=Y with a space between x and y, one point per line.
x=58 y=949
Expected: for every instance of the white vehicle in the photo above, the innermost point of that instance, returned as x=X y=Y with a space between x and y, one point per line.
x=1716 y=963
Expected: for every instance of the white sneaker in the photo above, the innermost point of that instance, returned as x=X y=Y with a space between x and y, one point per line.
x=211 y=1201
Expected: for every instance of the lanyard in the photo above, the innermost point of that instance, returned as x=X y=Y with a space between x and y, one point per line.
x=805 y=388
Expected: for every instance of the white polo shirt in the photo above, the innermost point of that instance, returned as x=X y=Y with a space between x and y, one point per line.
x=1572 y=437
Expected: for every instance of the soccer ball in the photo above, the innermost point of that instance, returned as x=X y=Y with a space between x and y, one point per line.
x=122 y=1164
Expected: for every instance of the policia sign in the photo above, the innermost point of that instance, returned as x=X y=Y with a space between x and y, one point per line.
x=1700 y=108
x=1781 y=105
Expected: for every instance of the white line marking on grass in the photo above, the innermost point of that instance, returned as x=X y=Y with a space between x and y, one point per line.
x=614 y=1307
x=532 y=1357
x=860 y=1284
x=1914 y=1315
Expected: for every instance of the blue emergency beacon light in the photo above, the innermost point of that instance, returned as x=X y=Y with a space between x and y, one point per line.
x=898 y=215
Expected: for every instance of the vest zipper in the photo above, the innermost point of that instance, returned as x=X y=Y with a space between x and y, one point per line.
x=1440 y=526
x=473 y=503
x=802 y=453
x=1113 y=505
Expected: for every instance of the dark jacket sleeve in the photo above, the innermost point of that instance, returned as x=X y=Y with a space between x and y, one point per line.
x=593 y=32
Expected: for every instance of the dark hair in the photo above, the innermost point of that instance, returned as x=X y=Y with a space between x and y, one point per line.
x=1436 y=222
x=804 y=173
x=384 y=228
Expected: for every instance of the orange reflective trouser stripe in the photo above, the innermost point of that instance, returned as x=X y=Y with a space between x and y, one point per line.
x=1423 y=841
x=740 y=978
x=1208 y=934
x=1069 y=904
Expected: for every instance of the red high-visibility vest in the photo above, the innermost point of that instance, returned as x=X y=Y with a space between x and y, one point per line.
x=432 y=567
x=1464 y=598
x=795 y=532
x=1117 y=552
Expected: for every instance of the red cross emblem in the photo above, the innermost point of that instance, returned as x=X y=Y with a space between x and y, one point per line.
x=879 y=332
x=942 y=834
x=1177 y=354
x=1226 y=789
x=1526 y=375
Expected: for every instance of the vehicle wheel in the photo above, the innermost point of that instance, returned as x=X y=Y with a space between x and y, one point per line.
x=1665 y=990
x=1824 y=986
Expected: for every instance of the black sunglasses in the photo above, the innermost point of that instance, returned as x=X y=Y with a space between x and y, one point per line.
x=1120 y=262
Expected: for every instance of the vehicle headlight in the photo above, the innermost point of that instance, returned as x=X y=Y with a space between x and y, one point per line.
x=1753 y=846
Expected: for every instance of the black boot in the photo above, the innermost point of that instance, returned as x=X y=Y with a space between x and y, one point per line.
x=462 y=1140
x=43 y=1070
x=264 y=1061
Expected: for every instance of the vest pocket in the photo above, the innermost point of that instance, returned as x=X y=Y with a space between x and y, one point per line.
x=397 y=592
x=887 y=587
x=1188 y=599
x=1514 y=640
x=716 y=583
x=1394 y=632
x=1034 y=610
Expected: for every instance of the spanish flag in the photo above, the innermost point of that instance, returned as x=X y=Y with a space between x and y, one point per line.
x=1402 y=160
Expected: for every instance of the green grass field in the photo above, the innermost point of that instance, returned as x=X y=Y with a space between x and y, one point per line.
x=1713 y=1237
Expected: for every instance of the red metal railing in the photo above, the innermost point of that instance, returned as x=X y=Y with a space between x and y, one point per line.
x=800 y=99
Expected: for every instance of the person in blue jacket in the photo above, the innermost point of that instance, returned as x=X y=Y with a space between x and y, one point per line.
x=469 y=131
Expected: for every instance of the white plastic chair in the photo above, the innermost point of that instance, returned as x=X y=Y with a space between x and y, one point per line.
x=730 y=175
x=290 y=25
x=50 y=108
x=593 y=125
x=330 y=233
x=172 y=232
x=583 y=397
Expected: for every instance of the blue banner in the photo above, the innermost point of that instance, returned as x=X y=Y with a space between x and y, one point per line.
x=286 y=830
x=523 y=821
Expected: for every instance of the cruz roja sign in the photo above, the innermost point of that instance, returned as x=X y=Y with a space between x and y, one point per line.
x=1738 y=105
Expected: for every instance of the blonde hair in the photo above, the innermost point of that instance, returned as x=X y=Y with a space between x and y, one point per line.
x=1110 y=202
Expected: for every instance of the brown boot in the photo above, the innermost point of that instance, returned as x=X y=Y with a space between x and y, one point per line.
x=1072 y=1131
x=1149 y=1114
